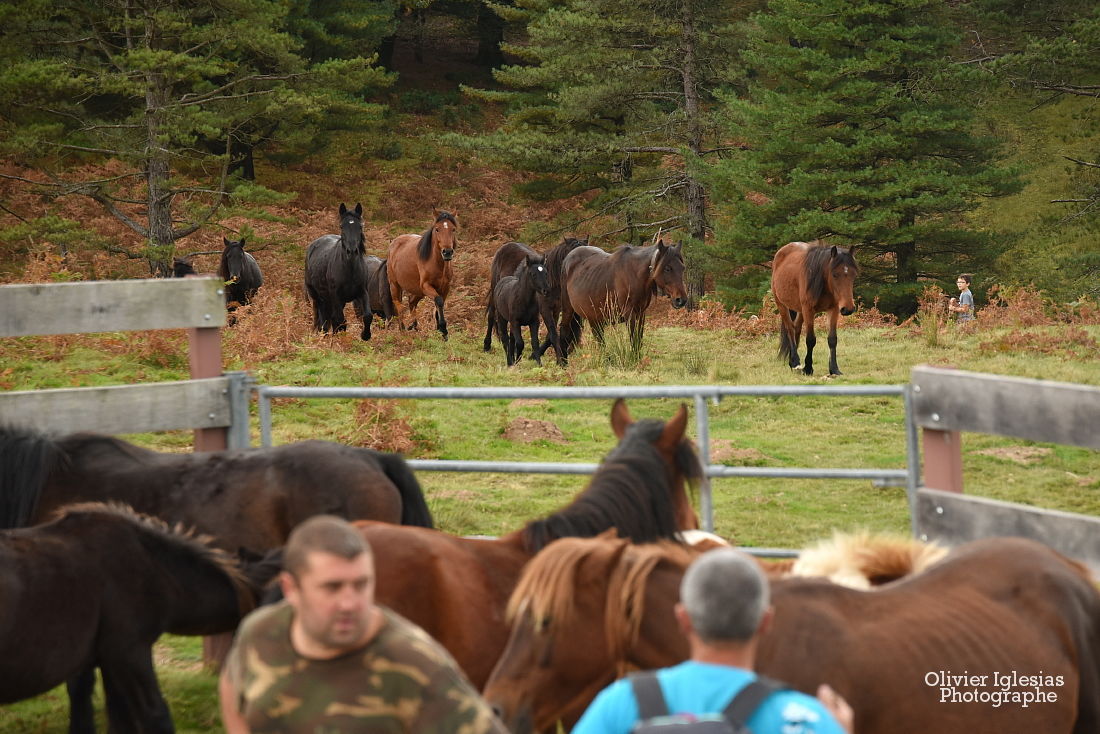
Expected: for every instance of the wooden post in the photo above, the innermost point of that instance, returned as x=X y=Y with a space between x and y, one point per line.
x=943 y=460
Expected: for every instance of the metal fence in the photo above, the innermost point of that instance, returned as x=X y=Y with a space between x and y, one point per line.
x=908 y=477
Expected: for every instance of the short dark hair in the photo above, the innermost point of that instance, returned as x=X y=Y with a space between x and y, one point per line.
x=325 y=533
x=966 y=277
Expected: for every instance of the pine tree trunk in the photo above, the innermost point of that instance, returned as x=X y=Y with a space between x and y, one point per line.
x=694 y=194
x=490 y=34
x=157 y=174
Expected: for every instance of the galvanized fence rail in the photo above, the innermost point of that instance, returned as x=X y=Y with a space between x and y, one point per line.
x=908 y=477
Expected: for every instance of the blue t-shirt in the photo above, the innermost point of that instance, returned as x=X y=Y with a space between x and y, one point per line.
x=703 y=688
x=966 y=298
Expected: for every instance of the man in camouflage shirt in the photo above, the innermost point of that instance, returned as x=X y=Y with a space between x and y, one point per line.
x=327 y=659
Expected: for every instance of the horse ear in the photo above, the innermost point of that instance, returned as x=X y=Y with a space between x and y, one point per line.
x=673 y=432
x=343 y=209
x=834 y=251
x=358 y=209
x=620 y=418
x=225 y=241
x=852 y=251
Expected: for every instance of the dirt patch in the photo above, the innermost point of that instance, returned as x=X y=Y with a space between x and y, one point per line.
x=1018 y=454
x=722 y=449
x=526 y=402
x=527 y=430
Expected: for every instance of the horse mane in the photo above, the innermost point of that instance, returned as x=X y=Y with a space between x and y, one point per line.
x=864 y=560
x=817 y=260
x=187 y=540
x=545 y=590
x=424 y=249
x=31 y=457
x=629 y=491
x=555 y=257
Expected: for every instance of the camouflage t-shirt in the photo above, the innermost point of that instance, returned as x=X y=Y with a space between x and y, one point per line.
x=401 y=681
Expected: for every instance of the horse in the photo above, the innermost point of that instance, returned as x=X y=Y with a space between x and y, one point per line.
x=377 y=301
x=618 y=287
x=505 y=260
x=240 y=272
x=515 y=303
x=809 y=278
x=337 y=274
x=420 y=265
x=932 y=627
x=182 y=267
x=244 y=498
x=95 y=588
x=457 y=588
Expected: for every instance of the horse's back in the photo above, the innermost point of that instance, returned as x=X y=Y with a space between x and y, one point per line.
x=507 y=257
x=788 y=275
x=403 y=262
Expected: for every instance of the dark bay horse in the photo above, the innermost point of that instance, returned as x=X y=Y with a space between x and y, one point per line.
x=505 y=260
x=810 y=278
x=457 y=588
x=96 y=588
x=515 y=303
x=336 y=274
x=248 y=498
x=991 y=608
x=419 y=265
x=616 y=287
x=377 y=301
x=241 y=273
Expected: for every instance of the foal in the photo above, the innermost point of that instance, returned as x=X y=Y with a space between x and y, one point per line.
x=516 y=305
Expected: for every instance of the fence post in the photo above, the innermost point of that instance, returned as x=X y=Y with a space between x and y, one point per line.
x=206 y=361
x=943 y=460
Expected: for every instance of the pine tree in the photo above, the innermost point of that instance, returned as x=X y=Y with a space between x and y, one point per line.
x=170 y=89
x=860 y=128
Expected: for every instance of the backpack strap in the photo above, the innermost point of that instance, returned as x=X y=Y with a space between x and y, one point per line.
x=748 y=699
x=648 y=693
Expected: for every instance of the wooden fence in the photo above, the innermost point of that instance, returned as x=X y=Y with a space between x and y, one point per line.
x=948 y=402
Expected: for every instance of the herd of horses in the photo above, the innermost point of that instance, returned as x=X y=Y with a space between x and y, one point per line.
x=108 y=545
x=557 y=290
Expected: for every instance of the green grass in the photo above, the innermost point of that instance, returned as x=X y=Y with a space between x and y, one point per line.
x=764 y=431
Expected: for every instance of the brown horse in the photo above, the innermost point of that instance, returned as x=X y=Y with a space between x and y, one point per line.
x=897 y=654
x=96 y=588
x=616 y=287
x=810 y=278
x=456 y=588
x=248 y=498
x=420 y=265
x=507 y=257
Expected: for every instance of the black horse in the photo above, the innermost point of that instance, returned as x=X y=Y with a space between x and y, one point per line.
x=241 y=273
x=247 y=498
x=504 y=263
x=96 y=588
x=516 y=305
x=378 y=300
x=182 y=267
x=337 y=274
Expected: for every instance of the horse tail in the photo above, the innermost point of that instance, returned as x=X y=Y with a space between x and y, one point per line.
x=26 y=460
x=785 y=345
x=414 y=508
x=383 y=275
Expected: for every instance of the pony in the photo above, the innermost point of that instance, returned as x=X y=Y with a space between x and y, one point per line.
x=515 y=303
x=95 y=588
x=182 y=267
x=377 y=301
x=244 y=498
x=954 y=616
x=337 y=274
x=240 y=272
x=505 y=260
x=457 y=588
x=420 y=265
x=809 y=278
x=618 y=287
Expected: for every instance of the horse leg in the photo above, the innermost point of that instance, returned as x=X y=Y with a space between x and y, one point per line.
x=398 y=303
x=546 y=313
x=637 y=331
x=490 y=317
x=834 y=315
x=517 y=339
x=597 y=330
x=414 y=301
x=807 y=319
x=535 y=353
x=440 y=318
x=134 y=700
x=361 y=306
x=81 y=711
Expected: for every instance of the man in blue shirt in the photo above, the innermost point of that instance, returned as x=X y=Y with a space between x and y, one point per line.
x=724 y=607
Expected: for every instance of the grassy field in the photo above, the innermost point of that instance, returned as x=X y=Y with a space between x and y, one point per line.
x=680 y=349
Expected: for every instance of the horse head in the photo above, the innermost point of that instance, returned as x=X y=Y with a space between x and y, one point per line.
x=182 y=267
x=351 y=230
x=232 y=259
x=667 y=270
x=538 y=273
x=442 y=234
x=842 y=273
